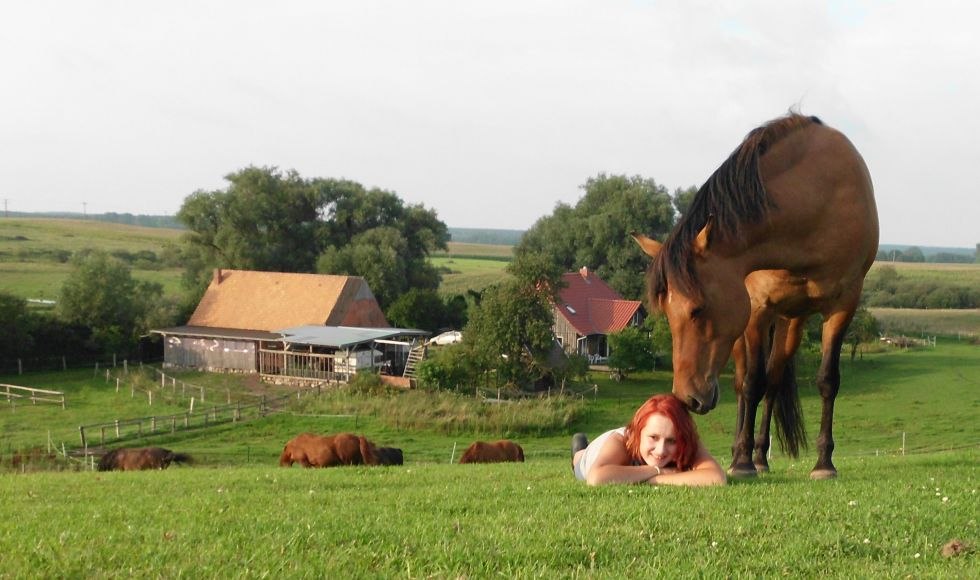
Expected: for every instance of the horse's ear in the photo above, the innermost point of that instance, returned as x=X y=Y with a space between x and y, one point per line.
x=704 y=237
x=649 y=246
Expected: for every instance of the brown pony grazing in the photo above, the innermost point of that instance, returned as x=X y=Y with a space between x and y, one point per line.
x=389 y=456
x=794 y=197
x=312 y=450
x=134 y=459
x=494 y=452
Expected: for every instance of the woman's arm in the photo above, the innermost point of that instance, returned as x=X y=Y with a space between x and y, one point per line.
x=612 y=465
x=705 y=471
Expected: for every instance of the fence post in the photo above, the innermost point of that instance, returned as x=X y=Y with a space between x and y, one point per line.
x=153 y=424
x=117 y=384
x=20 y=367
x=96 y=373
x=126 y=366
x=64 y=363
x=102 y=435
x=81 y=432
x=117 y=428
x=113 y=360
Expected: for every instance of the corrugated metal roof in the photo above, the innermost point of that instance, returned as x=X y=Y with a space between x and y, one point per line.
x=343 y=336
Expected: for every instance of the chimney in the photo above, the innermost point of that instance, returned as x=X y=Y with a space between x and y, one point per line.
x=584 y=272
x=218 y=276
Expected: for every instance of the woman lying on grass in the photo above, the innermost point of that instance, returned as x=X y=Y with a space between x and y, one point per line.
x=660 y=446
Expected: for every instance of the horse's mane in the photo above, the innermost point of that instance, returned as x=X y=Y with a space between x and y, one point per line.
x=734 y=196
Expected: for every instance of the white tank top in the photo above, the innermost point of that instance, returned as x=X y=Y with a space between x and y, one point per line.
x=592 y=451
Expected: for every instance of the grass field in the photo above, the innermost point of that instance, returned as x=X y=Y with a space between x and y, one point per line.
x=963 y=274
x=234 y=513
x=928 y=322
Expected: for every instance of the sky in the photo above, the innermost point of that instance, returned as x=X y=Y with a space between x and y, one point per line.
x=490 y=113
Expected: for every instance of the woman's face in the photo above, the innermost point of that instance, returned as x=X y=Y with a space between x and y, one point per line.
x=658 y=443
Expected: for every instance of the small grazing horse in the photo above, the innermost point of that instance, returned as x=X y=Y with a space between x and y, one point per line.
x=390 y=456
x=494 y=452
x=134 y=459
x=795 y=196
x=312 y=450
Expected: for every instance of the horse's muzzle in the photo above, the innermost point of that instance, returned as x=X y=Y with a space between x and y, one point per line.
x=700 y=404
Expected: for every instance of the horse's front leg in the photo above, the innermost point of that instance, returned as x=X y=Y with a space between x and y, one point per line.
x=749 y=388
x=828 y=381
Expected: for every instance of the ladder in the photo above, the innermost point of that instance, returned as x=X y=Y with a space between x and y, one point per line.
x=415 y=356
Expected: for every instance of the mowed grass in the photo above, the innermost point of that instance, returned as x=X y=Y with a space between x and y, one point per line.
x=235 y=513
x=889 y=517
x=43 y=280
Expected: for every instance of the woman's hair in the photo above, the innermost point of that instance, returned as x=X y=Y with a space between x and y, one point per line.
x=685 y=431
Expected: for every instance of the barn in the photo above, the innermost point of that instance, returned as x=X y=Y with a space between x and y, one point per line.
x=288 y=328
x=587 y=311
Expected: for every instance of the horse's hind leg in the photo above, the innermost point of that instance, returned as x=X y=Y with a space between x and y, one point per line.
x=828 y=381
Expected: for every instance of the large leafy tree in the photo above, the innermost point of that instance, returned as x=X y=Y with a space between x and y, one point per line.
x=101 y=294
x=17 y=337
x=511 y=331
x=595 y=232
x=271 y=220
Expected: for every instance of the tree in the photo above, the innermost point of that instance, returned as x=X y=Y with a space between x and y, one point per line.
x=426 y=310
x=595 y=233
x=269 y=220
x=511 y=331
x=16 y=339
x=630 y=351
x=101 y=294
x=864 y=327
x=682 y=199
x=661 y=339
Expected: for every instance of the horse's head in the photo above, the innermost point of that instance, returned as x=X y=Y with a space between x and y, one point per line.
x=705 y=318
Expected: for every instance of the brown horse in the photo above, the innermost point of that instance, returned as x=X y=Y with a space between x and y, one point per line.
x=312 y=450
x=794 y=196
x=134 y=459
x=493 y=452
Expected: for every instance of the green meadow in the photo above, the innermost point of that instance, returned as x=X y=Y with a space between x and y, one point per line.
x=907 y=448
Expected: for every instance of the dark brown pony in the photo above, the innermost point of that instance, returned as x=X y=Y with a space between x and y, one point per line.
x=493 y=452
x=390 y=456
x=311 y=450
x=134 y=459
x=795 y=197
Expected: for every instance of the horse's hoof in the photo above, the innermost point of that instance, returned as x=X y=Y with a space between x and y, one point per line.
x=742 y=472
x=823 y=474
x=762 y=468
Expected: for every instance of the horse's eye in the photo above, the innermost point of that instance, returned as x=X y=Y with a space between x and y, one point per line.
x=696 y=312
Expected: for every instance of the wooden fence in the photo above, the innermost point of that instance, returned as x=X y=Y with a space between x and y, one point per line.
x=122 y=429
x=35 y=395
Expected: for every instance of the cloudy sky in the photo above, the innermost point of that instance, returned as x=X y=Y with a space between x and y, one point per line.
x=488 y=112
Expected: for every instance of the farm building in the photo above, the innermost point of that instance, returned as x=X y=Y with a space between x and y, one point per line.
x=589 y=310
x=288 y=328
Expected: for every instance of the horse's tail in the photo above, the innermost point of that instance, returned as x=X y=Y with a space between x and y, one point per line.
x=368 y=453
x=790 y=429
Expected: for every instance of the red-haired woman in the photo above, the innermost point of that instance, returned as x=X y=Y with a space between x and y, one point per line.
x=660 y=446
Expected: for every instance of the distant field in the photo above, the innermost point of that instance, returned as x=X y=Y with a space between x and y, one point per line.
x=43 y=280
x=22 y=238
x=477 y=250
x=964 y=274
x=945 y=322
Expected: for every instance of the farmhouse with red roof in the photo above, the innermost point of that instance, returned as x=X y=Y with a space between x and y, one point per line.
x=588 y=310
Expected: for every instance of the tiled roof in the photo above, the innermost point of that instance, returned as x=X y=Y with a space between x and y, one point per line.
x=592 y=306
x=246 y=299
